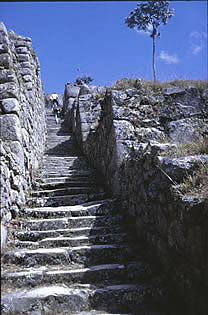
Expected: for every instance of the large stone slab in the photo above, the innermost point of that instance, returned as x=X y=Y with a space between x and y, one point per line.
x=57 y=298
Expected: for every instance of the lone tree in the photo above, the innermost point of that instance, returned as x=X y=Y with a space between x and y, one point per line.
x=148 y=17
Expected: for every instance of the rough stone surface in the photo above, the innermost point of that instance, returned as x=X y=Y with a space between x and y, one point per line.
x=22 y=119
x=77 y=259
x=122 y=134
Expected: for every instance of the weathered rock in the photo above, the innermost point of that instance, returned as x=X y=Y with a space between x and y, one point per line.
x=71 y=91
x=5 y=60
x=175 y=91
x=125 y=145
x=11 y=105
x=10 y=128
x=22 y=124
x=187 y=130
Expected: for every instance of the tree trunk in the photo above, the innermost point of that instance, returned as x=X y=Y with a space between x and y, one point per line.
x=153 y=57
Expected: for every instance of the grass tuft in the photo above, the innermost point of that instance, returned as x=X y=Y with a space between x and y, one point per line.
x=196 y=184
x=126 y=83
x=199 y=147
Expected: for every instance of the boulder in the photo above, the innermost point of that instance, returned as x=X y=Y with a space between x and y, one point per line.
x=10 y=127
x=71 y=91
x=11 y=105
x=187 y=130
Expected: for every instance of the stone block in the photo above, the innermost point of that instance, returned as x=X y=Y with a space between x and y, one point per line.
x=71 y=90
x=22 y=43
x=5 y=60
x=25 y=71
x=25 y=64
x=7 y=76
x=9 y=90
x=124 y=130
x=27 y=78
x=175 y=91
x=29 y=86
x=145 y=134
x=3 y=48
x=17 y=162
x=23 y=58
x=3 y=28
x=11 y=105
x=119 y=97
x=205 y=94
x=69 y=103
x=22 y=50
x=3 y=235
x=187 y=130
x=178 y=168
x=10 y=127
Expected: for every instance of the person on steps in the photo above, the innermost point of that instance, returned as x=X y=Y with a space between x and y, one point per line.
x=56 y=110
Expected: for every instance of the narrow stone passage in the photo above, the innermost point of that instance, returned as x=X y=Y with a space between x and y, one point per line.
x=71 y=254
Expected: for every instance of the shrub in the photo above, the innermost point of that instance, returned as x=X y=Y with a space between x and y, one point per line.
x=125 y=83
x=84 y=79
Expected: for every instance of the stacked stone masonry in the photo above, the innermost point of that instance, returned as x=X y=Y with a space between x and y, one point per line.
x=126 y=135
x=22 y=120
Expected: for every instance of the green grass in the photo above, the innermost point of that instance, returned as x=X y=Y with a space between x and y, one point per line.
x=197 y=184
x=199 y=147
x=127 y=83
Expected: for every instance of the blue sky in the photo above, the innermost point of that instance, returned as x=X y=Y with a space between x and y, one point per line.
x=91 y=36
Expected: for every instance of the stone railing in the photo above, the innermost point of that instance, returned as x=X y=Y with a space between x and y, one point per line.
x=22 y=119
x=124 y=135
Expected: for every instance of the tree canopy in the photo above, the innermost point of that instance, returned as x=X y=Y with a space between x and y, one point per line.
x=148 y=16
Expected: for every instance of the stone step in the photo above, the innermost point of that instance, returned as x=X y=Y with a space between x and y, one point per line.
x=65 y=166
x=63 y=179
x=65 y=191
x=103 y=207
x=62 y=149
x=139 y=299
x=59 y=142
x=59 y=299
x=70 y=200
x=71 y=222
x=66 y=153
x=131 y=272
x=70 y=173
x=36 y=235
x=61 y=158
x=66 y=173
x=86 y=255
x=57 y=201
x=48 y=160
x=68 y=183
x=53 y=299
x=57 y=136
x=54 y=130
x=57 y=168
x=72 y=241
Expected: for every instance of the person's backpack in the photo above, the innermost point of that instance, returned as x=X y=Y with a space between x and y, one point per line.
x=55 y=104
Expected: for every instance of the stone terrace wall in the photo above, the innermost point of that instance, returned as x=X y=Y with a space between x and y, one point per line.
x=22 y=119
x=123 y=133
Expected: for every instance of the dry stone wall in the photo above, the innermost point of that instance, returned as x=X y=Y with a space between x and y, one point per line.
x=129 y=136
x=22 y=119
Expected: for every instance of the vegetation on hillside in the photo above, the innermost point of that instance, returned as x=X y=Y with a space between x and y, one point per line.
x=126 y=83
x=196 y=184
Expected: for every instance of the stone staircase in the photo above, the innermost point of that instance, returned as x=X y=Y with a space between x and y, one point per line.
x=71 y=253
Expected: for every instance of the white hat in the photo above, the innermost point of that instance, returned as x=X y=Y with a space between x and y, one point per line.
x=53 y=97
